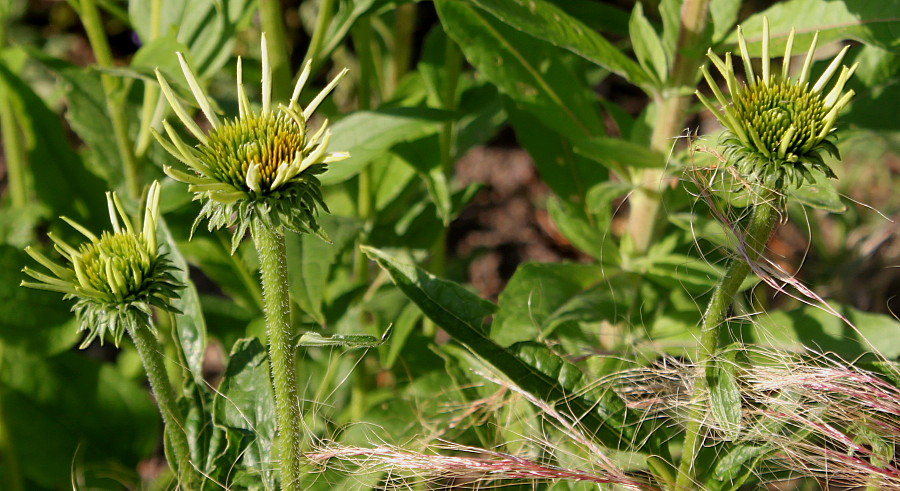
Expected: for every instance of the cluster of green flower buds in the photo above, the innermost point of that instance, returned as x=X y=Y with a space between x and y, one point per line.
x=777 y=126
x=115 y=277
x=260 y=165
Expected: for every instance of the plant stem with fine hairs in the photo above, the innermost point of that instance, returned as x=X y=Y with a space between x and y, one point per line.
x=270 y=247
x=762 y=222
x=150 y=352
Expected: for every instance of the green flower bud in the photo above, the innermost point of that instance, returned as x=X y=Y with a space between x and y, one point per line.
x=260 y=165
x=776 y=127
x=115 y=277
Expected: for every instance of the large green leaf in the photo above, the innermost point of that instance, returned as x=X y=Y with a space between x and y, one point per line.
x=568 y=174
x=49 y=327
x=544 y=20
x=591 y=238
x=68 y=412
x=869 y=22
x=534 y=293
x=207 y=27
x=311 y=260
x=813 y=328
x=528 y=70
x=369 y=134
x=461 y=314
x=190 y=325
x=60 y=179
x=245 y=402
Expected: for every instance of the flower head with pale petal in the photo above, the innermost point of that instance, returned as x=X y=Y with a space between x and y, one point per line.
x=115 y=277
x=778 y=126
x=261 y=165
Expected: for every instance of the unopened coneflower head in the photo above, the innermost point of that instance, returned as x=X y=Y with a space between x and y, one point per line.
x=776 y=125
x=115 y=277
x=259 y=165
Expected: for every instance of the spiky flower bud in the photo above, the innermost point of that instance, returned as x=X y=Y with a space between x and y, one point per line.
x=115 y=277
x=261 y=165
x=777 y=126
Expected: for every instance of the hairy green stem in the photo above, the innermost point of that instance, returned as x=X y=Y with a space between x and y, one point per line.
x=270 y=247
x=671 y=109
x=762 y=222
x=115 y=106
x=150 y=352
x=271 y=19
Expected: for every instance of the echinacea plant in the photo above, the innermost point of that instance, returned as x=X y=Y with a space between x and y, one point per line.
x=115 y=279
x=776 y=128
x=257 y=172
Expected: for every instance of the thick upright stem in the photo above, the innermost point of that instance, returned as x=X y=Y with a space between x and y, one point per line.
x=114 y=100
x=671 y=111
x=762 y=222
x=270 y=248
x=12 y=478
x=326 y=12
x=404 y=27
x=150 y=351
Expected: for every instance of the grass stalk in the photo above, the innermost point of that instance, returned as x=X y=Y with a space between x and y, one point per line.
x=671 y=111
x=762 y=222
x=150 y=352
x=115 y=106
x=270 y=247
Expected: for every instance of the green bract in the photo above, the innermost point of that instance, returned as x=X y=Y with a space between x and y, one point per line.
x=778 y=126
x=115 y=277
x=260 y=165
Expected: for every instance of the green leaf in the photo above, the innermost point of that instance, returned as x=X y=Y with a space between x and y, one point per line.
x=87 y=115
x=813 y=328
x=312 y=260
x=60 y=179
x=647 y=46
x=207 y=27
x=724 y=396
x=618 y=154
x=345 y=340
x=528 y=70
x=877 y=86
x=568 y=174
x=68 y=410
x=424 y=156
x=190 y=326
x=49 y=327
x=591 y=238
x=867 y=22
x=724 y=13
x=245 y=402
x=598 y=16
x=369 y=134
x=534 y=293
x=565 y=31
x=461 y=313
x=821 y=195
x=738 y=463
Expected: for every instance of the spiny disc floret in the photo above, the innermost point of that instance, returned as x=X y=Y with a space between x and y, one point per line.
x=777 y=125
x=778 y=109
x=117 y=266
x=267 y=140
